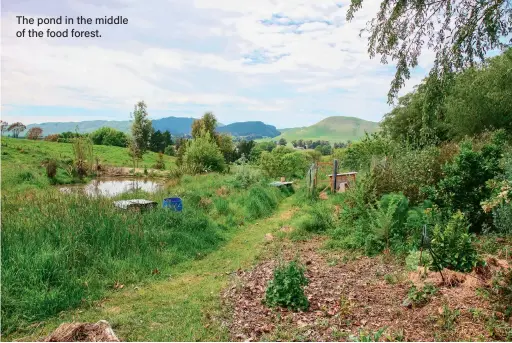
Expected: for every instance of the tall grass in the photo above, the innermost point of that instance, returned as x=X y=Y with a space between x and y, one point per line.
x=60 y=251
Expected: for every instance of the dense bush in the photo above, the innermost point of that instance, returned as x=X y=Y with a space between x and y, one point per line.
x=286 y=289
x=170 y=151
x=109 y=136
x=244 y=176
x=202 y=154
x=360 y=155
x=407 y=172
x=463 y=186
x=453 y=246
x=52 y=138
x=283 y=161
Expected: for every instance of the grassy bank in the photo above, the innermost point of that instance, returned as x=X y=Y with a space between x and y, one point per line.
x=22 y=162
x=60 y=251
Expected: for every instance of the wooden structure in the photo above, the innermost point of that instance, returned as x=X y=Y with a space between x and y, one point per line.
x=342 y=180
x=281 y=184
x=337 y=184
x=135 y=204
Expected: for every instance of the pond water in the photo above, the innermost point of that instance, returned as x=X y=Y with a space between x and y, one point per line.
x=114 y=186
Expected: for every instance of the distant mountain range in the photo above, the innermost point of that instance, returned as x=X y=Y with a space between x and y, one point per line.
x=177 y=126
x=334 y=129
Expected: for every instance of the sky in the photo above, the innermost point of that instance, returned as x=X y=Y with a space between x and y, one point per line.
x=288 y=63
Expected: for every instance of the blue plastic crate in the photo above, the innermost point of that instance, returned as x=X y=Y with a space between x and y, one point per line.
x=173 y=203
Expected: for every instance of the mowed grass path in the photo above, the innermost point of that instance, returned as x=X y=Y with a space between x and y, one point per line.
x=184 y=307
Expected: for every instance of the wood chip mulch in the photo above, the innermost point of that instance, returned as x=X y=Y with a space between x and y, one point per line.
x=348 y=297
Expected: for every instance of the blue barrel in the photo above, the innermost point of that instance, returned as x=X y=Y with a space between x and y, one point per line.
x=174 y=203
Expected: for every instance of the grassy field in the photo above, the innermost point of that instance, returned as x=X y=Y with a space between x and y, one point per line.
x=22 y=160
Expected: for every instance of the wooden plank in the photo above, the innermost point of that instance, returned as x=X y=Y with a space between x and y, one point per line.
x=135 y=204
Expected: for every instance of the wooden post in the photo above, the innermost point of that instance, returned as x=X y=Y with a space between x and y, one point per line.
x=334 y=174
x=316 y=175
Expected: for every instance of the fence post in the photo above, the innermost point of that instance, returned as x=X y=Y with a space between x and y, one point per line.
x=334 y=173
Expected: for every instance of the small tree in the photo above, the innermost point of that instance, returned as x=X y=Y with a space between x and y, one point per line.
x=34 y=133
x=141 y=131
x=83 y=150
x=202 y=154
x=3 y=126
x=283 y=141
x=207 y=123
x=16 y=129
x=160 y=164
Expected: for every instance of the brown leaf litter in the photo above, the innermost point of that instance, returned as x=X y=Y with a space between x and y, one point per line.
x=351 y=296
x=83 y=332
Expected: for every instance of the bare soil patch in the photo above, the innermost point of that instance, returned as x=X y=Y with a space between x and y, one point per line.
x=348 y=295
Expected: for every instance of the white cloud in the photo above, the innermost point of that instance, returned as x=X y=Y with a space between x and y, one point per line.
x=202 y=53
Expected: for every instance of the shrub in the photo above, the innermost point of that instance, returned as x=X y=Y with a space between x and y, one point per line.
x=388 y=221
x=286 y=287
x=359 y=155
x=502 y=292
x=34 y=133
x=160 y=164
x=170 y=151
x=453 y=246
x=412 y=261
x=319 y=219
x=52 y=138
x=244 y=176
x=283 y=161
x=109 y=136
x=464 y=185
x=83 y=151
x=407 y=172
x=203 y=155
x=51 y=168
x=420 y=297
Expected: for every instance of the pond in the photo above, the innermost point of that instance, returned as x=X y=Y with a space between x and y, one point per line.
x=111 y=187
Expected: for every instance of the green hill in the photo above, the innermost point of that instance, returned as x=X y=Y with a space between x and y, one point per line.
x=250 y=129
x=333 y=129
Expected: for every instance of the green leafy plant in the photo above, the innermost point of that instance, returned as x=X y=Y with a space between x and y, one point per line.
x=286 y=289
x=368 y=336
x=502 y=292
x=421 y=296
x=203 y=155
x=453 y=245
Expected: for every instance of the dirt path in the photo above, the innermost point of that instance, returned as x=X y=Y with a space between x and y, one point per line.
x=187 y=306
